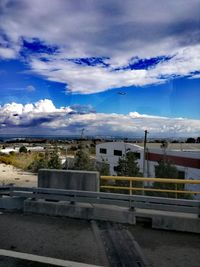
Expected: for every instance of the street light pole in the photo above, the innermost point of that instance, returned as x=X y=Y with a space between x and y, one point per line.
x=144 y=158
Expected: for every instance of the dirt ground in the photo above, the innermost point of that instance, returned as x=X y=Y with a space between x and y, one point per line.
x=12 y=175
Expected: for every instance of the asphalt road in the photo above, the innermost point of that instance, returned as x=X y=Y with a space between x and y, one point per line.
x=56 y=237
x=74 y=239
x=168 y=248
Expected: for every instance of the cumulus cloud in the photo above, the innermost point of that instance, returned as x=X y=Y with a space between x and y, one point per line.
x=43 y=116
x=15 y=114
x=119 y=31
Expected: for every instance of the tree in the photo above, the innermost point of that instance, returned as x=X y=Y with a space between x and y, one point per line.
x=128 y=166
x=54 y=162
x=22 y=149
x=190 y=140
x=103 y=167
x=39 y=163
x=44 y=161
x=165 y=169
x=164 y=146
x=82 y=160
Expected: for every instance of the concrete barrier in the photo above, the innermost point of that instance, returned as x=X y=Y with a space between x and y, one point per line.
x=12 y=203
x=167 y=220
x=69 y=179
x=159 y=219
x=80 y=210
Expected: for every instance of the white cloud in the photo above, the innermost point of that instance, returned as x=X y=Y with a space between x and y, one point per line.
x=195 y=76
x=7 y=53
x=108 y=28
x=89 y=79
x=93 y=79
x=119 y=30
x=186 y=61
x=44 y=116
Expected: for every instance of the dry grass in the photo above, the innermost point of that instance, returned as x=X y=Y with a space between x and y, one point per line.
x=19 y=160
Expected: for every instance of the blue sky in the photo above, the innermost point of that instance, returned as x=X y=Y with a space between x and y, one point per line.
x=107 y=66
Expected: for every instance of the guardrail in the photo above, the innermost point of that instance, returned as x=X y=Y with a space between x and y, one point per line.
x=130 y=188
x=122 y=200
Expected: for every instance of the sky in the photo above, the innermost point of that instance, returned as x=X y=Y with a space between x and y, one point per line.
x=109 y=67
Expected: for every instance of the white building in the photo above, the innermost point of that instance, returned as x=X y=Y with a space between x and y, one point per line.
x=187 y=162
x=110 y=152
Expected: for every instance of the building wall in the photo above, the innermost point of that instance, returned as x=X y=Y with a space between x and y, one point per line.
x=113 y=159
x=185 y=161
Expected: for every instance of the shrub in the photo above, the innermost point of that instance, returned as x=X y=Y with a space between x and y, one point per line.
x=22 y=149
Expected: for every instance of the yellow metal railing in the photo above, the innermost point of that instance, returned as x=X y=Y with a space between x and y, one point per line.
x=130 y=188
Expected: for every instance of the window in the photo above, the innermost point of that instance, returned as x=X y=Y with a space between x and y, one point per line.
x=115 y=168
x=181 y=174
x=137 y=155
x=117 y=152
x=103 y=150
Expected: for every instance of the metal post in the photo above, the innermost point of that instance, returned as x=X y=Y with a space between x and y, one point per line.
x=130 y=185
x=145 y=144
x=144 y=157
x=176 y=188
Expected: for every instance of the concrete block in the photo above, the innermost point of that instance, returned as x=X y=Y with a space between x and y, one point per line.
x=168 y=220
x=12 y=203
x=176 y=223
x=80 y=210
x=69 y=179
x=62 y=208
x=113 y=213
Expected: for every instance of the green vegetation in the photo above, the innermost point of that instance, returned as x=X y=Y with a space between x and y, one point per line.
x=22 y=149
x=49 y=161
x=103 y=168
x=19 y=160
x=127 y=166
x=38 y=163
x=82 y=160
x=32 y=161
x=165 y=169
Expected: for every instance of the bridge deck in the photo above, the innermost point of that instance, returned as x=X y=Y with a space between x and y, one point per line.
x=73 y=239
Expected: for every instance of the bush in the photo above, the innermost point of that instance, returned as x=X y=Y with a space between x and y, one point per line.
x=45 y=161
x=54 y=162
x=22 y=149
x=38 y=164
x=5 y=159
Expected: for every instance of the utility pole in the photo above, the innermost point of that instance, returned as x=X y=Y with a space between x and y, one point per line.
x=144 y=158
x=82 y=133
